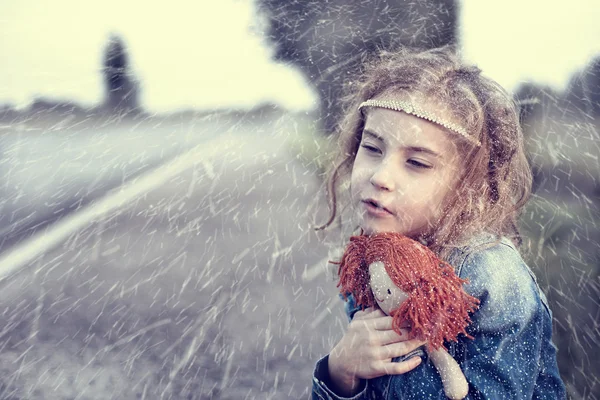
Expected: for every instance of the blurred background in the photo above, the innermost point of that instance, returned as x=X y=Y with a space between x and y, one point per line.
x=161 y=171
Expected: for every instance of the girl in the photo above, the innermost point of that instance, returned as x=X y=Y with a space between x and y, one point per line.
x=434 y=151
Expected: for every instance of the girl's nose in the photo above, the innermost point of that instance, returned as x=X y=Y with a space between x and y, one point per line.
x=382 y=178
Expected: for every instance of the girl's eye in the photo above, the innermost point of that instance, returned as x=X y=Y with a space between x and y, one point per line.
x=370 y=148
x=418 y=164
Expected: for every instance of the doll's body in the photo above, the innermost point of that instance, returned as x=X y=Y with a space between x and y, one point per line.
x=390 y=297
x=409 y=283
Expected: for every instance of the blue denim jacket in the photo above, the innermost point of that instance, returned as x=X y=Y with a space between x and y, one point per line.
x=511 y=356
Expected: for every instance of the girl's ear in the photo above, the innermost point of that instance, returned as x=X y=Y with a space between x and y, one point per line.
x=353 y=272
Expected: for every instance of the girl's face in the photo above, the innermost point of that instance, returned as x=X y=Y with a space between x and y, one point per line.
x=404 y=168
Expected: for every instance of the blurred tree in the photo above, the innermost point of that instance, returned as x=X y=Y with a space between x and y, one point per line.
x=122 y=89
x=7 y=112
x=531 y=99
x=574 y=96
x=328 y=39
x=583 y=90
x=561 y=220
x=591 y=87
x=58 y=108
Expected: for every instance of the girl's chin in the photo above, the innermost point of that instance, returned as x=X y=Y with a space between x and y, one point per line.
x=371 y=229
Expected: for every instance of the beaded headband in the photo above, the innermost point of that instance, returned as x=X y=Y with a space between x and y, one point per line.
x=398 y=105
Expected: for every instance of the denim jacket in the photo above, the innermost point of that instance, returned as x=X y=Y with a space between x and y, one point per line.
x=511 y=356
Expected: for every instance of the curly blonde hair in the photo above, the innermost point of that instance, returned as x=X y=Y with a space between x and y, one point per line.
x=497 y=178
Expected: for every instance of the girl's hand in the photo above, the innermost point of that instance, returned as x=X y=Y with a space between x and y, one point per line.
x=366 y=351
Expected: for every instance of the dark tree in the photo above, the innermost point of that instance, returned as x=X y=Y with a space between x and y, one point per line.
x=530 y=99
x=328 y=39
x=583 y=90
x=536 y=101
x=574 y=95
x=122 y=89
x=591 y=87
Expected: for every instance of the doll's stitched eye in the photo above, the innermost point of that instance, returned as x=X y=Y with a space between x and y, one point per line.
x=389 y=291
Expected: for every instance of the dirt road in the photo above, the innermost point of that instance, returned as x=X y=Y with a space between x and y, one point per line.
x=193 y=291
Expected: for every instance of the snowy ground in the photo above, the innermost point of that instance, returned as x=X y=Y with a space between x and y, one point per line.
x=49 y=169
x=193 y=291
x=196 y=289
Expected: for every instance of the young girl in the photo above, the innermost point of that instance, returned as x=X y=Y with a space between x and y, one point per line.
x=434 y=151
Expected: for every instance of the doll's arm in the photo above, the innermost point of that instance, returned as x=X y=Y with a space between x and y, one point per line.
x=455 y=384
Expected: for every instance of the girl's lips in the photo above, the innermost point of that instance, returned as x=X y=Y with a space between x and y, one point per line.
x=376 y=211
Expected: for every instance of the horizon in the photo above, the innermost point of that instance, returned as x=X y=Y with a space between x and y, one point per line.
x=236 y=70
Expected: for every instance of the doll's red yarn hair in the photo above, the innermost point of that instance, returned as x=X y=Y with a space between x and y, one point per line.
x=437 y=307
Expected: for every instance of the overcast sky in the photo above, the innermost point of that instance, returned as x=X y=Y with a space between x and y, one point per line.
x=219 y=60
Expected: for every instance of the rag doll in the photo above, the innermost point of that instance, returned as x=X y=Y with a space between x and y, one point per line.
x=418 y=290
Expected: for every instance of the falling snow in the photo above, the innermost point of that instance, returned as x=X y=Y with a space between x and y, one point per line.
x=172 y=256
x=190 y=287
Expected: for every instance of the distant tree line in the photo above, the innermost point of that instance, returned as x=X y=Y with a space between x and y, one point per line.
x=328 y=40
x=581 y=98
x=121 y=87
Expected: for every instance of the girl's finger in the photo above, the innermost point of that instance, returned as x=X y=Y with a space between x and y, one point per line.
x=397 y=368
x=390 y=336
x=360 y=314
x=385 y=323
x=400 y=348
x=382 y=323
x=369 y=313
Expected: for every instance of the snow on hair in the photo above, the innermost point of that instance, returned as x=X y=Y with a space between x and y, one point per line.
x=497 y=179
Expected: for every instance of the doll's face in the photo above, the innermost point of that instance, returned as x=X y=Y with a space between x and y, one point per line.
x=387 y=294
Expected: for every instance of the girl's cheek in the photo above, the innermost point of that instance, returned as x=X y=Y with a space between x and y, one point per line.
x=359 y=175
